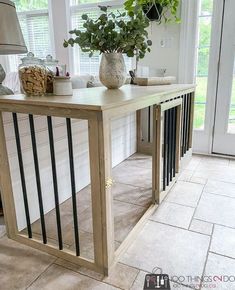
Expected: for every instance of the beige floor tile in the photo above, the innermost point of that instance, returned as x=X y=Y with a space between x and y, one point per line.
x=126 y=217
x=20 y=265
x=173 y=214
x=186 y=175
x=132 y=194
x=221 y=188
x=199 y=180
x=185 y=193
x=220 y=267
x=215 y=172
x=216 y=209
x=223 y=241
x=194 y=162
x=140 y=160
x=133 y=175
x=2 y=230
x=60 y=278
x=212 y=160
x=177 y=251
x=122 y=276
x=139 y=281
x=201 y=227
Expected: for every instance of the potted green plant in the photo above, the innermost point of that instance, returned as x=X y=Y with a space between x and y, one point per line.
x=155 y=10
x=113 y=34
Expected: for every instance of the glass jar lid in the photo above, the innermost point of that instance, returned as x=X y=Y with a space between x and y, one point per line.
x=50 y=61
x=31 y=59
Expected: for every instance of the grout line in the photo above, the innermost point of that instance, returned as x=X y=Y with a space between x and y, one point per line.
x=208 y=251
x=225 y=256
x=196 y=207
x=216 y=223
x=41 y=273
x=219 y=194
x=180 y=228
x=135 y=277
x=173 y=202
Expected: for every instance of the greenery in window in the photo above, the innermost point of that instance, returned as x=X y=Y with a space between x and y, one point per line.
x=113 y=32
x=158 y=10
x=28 y=5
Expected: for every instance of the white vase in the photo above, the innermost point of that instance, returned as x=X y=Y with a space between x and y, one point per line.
x=112 y=70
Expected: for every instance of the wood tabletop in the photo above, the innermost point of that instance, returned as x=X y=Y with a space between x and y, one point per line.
x=100 y=98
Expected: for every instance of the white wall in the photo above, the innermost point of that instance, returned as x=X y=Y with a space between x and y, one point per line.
x=165 y=49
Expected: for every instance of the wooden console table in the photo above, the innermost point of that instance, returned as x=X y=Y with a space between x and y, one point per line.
x=171 y=121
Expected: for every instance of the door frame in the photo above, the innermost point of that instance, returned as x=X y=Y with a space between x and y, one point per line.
x=203 y=139
x=222 y=139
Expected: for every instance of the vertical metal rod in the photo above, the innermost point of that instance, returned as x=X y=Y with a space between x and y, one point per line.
x=168 y=148
x=149 y=124
x=54 y=175
x=170 y=144
x=22 y=175
x=189 y=118
x=38 y=181
x=184 y=122
x=174 y=139
x=73 y=185
x=182 y=129
x=164 y=150
x=186 y=125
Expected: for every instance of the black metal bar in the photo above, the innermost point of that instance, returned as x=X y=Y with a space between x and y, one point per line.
x=55 y=184
x=149 y=124
x=184 y=122
x=189 y=117
x=170 y=144
x=22 y=175
x=164 y=150
x=174 y=139
x=186 y=126
x=168 y=148
x=182 y=129
x=73 y=185
x=37 y=174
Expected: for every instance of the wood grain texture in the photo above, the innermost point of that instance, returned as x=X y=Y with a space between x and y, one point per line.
x=99 y=99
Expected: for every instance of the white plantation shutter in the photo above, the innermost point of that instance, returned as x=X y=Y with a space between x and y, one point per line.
x=83 y=64
x=36 y=32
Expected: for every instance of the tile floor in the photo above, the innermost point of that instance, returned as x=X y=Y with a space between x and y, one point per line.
x=191 y=235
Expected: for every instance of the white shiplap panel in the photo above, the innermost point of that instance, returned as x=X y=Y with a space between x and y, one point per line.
x=123 y=145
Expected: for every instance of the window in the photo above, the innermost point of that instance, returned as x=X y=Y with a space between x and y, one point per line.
x=83 y=64
x=34 y=21
x=203 y=52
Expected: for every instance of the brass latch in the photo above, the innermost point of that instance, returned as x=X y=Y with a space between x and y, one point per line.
x=109 y=183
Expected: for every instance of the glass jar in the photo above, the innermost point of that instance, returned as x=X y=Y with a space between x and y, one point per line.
x=33 y=75
x=51 y=67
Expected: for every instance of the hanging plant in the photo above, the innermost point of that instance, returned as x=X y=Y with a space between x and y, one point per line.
x=155 y=10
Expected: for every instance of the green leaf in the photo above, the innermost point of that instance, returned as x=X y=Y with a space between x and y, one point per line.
x=84 y=16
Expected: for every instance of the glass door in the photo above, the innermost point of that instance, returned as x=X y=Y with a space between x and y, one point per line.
x=224 y=128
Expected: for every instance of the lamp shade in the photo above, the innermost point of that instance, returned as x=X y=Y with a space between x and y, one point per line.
x=11 y=38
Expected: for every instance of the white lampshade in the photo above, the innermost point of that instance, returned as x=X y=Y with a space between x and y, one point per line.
x=11 y=38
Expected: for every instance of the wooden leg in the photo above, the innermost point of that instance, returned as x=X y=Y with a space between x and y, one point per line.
x=6 y=186
x=156 y=159
x=102 y=200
